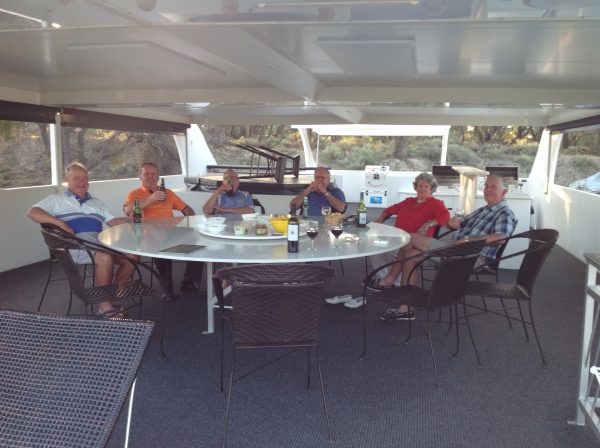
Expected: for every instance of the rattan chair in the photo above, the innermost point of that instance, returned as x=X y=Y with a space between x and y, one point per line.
x=130 y=293
x=272 y=306
x=64 y=380
x=541 y=242
x=256 y=203
x=448 y=286
x=50 y=278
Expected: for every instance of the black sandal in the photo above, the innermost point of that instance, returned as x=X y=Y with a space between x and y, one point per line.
x=375 y=286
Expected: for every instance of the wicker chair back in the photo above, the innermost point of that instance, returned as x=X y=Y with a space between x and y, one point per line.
x=541 y=242
x=454 y=269
x=65 y=379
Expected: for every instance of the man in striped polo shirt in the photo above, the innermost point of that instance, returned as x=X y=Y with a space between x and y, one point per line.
x=77 y=212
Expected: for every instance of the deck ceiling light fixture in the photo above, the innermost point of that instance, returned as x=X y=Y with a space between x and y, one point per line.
x=43 y=23
x=336 y=3
x=560 y=4
x=146 y=5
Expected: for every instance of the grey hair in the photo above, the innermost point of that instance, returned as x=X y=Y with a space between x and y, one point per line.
x=427 y=178
x=502 y=181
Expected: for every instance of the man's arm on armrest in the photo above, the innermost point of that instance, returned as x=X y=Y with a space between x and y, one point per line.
x=42 y=217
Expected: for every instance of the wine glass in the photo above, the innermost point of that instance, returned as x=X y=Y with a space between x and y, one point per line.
x=337 y=230
x=460 y=214
x=312 y=231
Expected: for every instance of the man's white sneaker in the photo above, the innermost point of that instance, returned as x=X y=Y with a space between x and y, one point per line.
x=339 y=299
x=355 y=303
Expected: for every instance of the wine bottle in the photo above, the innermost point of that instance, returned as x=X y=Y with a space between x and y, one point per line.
x=293 y=232
x=137 y=211
x=305 y=207
x=361 y=211
x=162 y=188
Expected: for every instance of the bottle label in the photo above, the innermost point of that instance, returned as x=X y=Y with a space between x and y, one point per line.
x=292 y=232
x=362 y=218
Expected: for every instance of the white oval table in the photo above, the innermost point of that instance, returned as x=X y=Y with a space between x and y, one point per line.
x=150 y=237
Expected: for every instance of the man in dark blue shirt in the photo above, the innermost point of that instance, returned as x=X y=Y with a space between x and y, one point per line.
x=321 y=193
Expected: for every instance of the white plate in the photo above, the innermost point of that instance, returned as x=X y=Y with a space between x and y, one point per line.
x=228 y=234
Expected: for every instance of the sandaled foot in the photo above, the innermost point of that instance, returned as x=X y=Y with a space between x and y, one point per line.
x=112 y=313
x=375 y=285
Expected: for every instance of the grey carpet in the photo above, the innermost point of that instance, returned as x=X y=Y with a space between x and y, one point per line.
x=388 y=399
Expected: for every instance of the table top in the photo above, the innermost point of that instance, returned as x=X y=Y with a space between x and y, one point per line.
x=148 y=238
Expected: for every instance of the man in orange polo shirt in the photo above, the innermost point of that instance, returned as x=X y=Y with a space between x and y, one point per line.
x=158 y=204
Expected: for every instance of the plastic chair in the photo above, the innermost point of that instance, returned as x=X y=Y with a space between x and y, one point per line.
x=541 y=242
x=447 y=290
x=65 y=379
x=272 y=306
x=132 y=292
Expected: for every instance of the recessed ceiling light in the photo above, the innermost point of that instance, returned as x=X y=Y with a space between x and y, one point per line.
x=334 y=3
x=560 y=4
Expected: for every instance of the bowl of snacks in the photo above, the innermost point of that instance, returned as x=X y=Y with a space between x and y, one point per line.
x=279 y=223
x=215 y=227
x=250 y=216
x=215 y=220
x=334 y=218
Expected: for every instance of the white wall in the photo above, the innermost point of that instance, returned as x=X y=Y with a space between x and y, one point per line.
x=575 y=215
x=20 y=239
x=572 y=212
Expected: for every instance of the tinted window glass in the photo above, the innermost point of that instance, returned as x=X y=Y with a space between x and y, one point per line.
x=24 y=154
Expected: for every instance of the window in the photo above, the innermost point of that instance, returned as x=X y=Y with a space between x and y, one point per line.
x=112 y=154
x=222 y=140
x=579 y=161
x=24 y=154
x=468 y=145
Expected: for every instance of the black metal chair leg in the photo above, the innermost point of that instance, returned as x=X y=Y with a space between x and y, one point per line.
x=229 y=399
x=523 y=320
x=71 y=303
x=435 y=368
x=450 y=321
x=364 y=316
x=535 y=334
x=506 y=313
x=330 y=435
x=162 y=328
x=222 y=349
x=46 y=285
x=410 y=331
x=471 y=334
x=308 y=367
x=457 y=332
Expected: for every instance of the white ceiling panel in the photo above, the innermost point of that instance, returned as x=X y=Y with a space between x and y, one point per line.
x=503 y=61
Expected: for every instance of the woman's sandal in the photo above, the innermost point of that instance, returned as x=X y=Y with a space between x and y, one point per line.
x=375 y=286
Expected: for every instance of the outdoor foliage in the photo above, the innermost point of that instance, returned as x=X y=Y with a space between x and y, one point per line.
x=109 y=154
x=478 y=147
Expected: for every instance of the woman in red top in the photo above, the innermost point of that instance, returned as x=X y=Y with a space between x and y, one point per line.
x=418 y=216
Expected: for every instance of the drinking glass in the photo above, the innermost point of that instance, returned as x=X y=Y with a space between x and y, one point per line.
x=312 y=231
x=460 y=214
x=337 y=230
x=325 y=211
